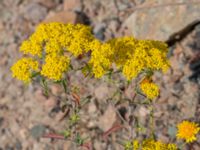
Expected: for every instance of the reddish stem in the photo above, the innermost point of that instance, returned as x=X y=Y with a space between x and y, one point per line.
x=77 y=98
x=54 y=136
x=87 y=145
x=111 y=130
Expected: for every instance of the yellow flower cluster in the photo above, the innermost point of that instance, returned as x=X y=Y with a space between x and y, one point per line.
x=150 y=144
x=23 y=68
x=150 y=89
x=57 y=37
x=32 y=47
x=100 y=58
x=123 y=49
x=51 y=42
x=133 y=56
x=55 y=66
x=54 y=41
x=187 y=131
x=147 y=54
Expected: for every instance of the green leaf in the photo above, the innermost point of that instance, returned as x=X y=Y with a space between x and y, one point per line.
x=66 y=133
x=86 y=70
x=74 y=118
x=71 y=67
x=45 y=86
x=78 y=139
x=34 y=74
x=128 y=145
x=64 y=85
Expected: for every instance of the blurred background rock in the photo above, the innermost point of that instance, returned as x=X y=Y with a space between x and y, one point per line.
x=26 y=114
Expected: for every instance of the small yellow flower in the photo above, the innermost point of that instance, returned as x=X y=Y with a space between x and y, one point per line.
x=187 y=130
x=150 y=144
x=150 y=89
x=172 y=147
x=136 y=145
x=23 y=68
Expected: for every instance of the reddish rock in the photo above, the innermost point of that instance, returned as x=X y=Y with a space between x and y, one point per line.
x=71 y=5
x=63 y=17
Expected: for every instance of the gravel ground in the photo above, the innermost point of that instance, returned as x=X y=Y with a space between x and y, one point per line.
x=26 y=114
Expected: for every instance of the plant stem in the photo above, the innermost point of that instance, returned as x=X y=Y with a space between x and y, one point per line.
x=152 y=120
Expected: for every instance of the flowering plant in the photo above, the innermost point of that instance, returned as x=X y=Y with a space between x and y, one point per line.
x=48 y=55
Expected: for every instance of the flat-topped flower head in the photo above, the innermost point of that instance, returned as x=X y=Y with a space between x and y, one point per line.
x=55 y=66
x=150 y=89
x=23 y=69
x=123 y=49
x=187 y=131
x=146 y=54
x=150 y=144
x=31 y=47
x=130 y=55
x=136 y=145
x=100 y=58
x=55 y=37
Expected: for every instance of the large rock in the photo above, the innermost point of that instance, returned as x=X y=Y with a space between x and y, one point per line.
x=159 y=23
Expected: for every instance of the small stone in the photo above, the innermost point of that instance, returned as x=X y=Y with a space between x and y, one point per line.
x=63 y=17
x=162 y=137
x=11 y=2
x=18 y=145
x=39 y=96
x=99 y=145
x=1 y=26
x=67 y=145
x=35 y=12
x=92 y=108
x=72 y=5
x=177 y=88
x=56 y=89
x=190 y=102
x=91 y=124
x=5 y=14
x=172 y=131
x=9 y=148
x=4 y=60
x=23 y=133
x=50 y=103
x=38 y=131
x=107 y=120
x=123 y=7
x=114 y=25
x=99 y=30
x=59 y=116
x=101 y=92
x=143 y=111
x=1 y=121
x=47 y=3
